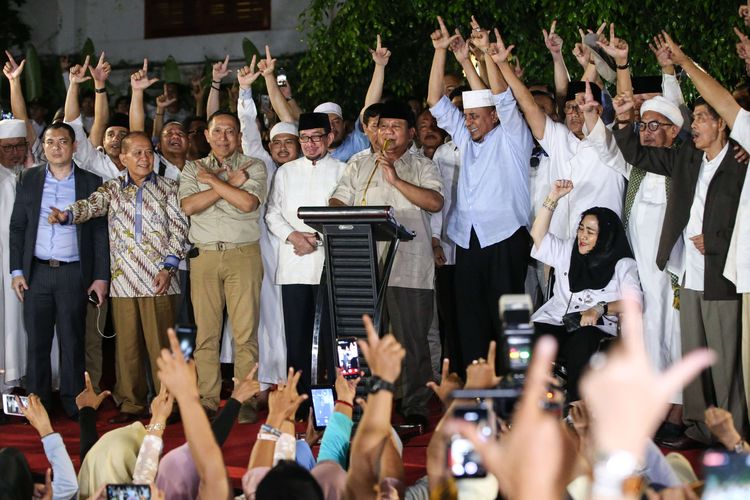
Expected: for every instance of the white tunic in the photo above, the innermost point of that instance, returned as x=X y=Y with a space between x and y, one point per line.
x=300 y=183
x=556 y=253
x=661 y=321
x=447 y=158
x=737 y=267
x=594 y=184
x=12 y=331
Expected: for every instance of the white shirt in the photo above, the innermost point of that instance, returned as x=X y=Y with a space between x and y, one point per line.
x=695 y=264
x=594 y=185
x=171 y=171
x=556 y=253
x=447 y=158
x=737 y=268
x=90 y=158
x=493 y=182
x=300 y=183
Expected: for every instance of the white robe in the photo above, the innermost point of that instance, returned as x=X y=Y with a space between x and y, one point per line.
x=12 y=331
x=661 y=321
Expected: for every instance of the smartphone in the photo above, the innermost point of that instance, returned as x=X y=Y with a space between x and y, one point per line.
x=10 y=405
x=323 y=402
x=281 y=78
x=348 y=353
x=727 y=475
x=128 y=492
x=463 y=460
x=94 y=298
x=186 y=337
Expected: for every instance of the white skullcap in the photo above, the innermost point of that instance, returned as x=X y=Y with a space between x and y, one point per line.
x=663 y=106
x=10 y=129
x=329 y=107
x=478 y=99
x=284 y=128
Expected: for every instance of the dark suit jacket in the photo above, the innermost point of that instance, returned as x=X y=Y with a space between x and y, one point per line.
x=683 y=164
x=93 y=240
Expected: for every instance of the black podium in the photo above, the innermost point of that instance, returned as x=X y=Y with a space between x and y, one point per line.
x=352 y=277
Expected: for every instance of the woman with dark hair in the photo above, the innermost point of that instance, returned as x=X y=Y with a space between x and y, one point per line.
x=592 y=273
x=15 y=480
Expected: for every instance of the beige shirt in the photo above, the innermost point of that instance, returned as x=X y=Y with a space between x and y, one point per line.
x=222 y=222
x=413 y=266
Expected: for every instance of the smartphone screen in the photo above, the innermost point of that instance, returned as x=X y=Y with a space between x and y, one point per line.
x=128 y=492
x=281 y=80
x=10 y=405
x=322 y=404
x=727 y=475
x=186 y=338
x=463 y=459
x=348 y=353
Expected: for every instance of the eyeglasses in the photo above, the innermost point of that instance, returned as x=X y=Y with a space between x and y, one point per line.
x=8 y=148
x=572 y=108
x=314 y=138
x=653 y=126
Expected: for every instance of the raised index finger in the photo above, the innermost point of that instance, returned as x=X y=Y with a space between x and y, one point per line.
x=10 y=58
x=378 y=45
x=145 y=65
x=443 y=29
x=552 y=27
x=601 y=28
x=174 y=344
x=611 y=32
x=268 y=53
x=226 y=61
x=372 y=336
x=101 y=59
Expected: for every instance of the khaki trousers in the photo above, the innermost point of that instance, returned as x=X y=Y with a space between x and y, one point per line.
x=714 y=324
x=225 y=277
x=94 y=341
x=141 y=324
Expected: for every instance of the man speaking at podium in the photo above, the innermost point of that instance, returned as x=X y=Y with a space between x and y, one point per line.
x=412 y=185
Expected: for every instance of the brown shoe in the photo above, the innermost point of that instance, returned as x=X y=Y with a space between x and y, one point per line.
x=124 y=418
x=247 y=414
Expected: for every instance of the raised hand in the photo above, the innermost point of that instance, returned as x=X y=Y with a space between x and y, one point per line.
x=624 y=392
x=140 y=80
x=162 y=406
x=552 y=40
x=480 y=374
x=623 y=104
x=177 y=374
x=284 y=401
x=247 y=75
x=383 y=355
x=459 y=47
x=345 y=389
x=479 y=38
x=311 y=435
x=661 y=51
x=498 y=51
x=197 y=88
x=678 y=56
x=89 y=398
x=582 y=54
x=267 y=66
x=517 y=68
x=743 y=46
x=589 y=104
x=78 y=72
x=617 y=48
x=449 y=382
x=560 y=189
x=246 y=388
x=220 y=69
x=441 y=39
x=36 y=415
x=57 y=216
x=13 y=70
x=163 y=101
x=102 y=70
x=381 y=54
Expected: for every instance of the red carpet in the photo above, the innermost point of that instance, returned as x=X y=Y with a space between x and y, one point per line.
x=18 y=434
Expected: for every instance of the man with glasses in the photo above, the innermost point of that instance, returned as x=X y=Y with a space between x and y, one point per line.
x=54 y=268
x=306 y=181
x=222 y=194
x=13 y=147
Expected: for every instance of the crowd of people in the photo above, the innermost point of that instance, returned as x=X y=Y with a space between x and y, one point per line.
x=620 y=210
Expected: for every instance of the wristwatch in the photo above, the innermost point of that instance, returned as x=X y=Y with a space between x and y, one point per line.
x=377 y=384
x=602 y=308
x=172 y=270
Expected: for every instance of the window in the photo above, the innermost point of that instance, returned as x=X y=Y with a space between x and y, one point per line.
x=168 y=18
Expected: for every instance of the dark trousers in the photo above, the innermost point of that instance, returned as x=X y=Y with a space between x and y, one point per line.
x=299 y=319
x=185 y=307
x=410 y=314
x=56 y=298
x=482 y=276
x=445 y=290
x=574 y=349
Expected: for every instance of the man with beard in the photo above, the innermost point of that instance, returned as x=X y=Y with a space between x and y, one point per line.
x=12 y=333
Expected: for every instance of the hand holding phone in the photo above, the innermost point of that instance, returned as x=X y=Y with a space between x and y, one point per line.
x=348 y=356
x=463 y=460
x=186 y=335
x=128 y=491
x=10 y=405
x=323 y=402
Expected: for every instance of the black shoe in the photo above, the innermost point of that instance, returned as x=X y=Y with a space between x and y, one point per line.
x=668 y=430
x=682 y=442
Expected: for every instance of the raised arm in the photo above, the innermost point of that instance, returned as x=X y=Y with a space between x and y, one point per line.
x=539 y=229
x=77 y=76
x=380 y=55
x=100 y=73
x=617 y=48
x=441 y=40
x=554 y=44
x=12 y=72
x=252 y=145
x=219 y=71
x=480 y=38
x=279 y=103
x=535 y=117
x=139 y=82
x=198 y=91
x=460 y=49
x=717 y=96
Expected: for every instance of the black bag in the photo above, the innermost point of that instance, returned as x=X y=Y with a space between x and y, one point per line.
x=572 y=321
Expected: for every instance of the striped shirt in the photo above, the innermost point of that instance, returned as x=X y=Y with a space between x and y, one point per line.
x=147 y=230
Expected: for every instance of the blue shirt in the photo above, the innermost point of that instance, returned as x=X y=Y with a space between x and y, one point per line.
x=55 y=241
x=354 y=143
x=493 y=181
